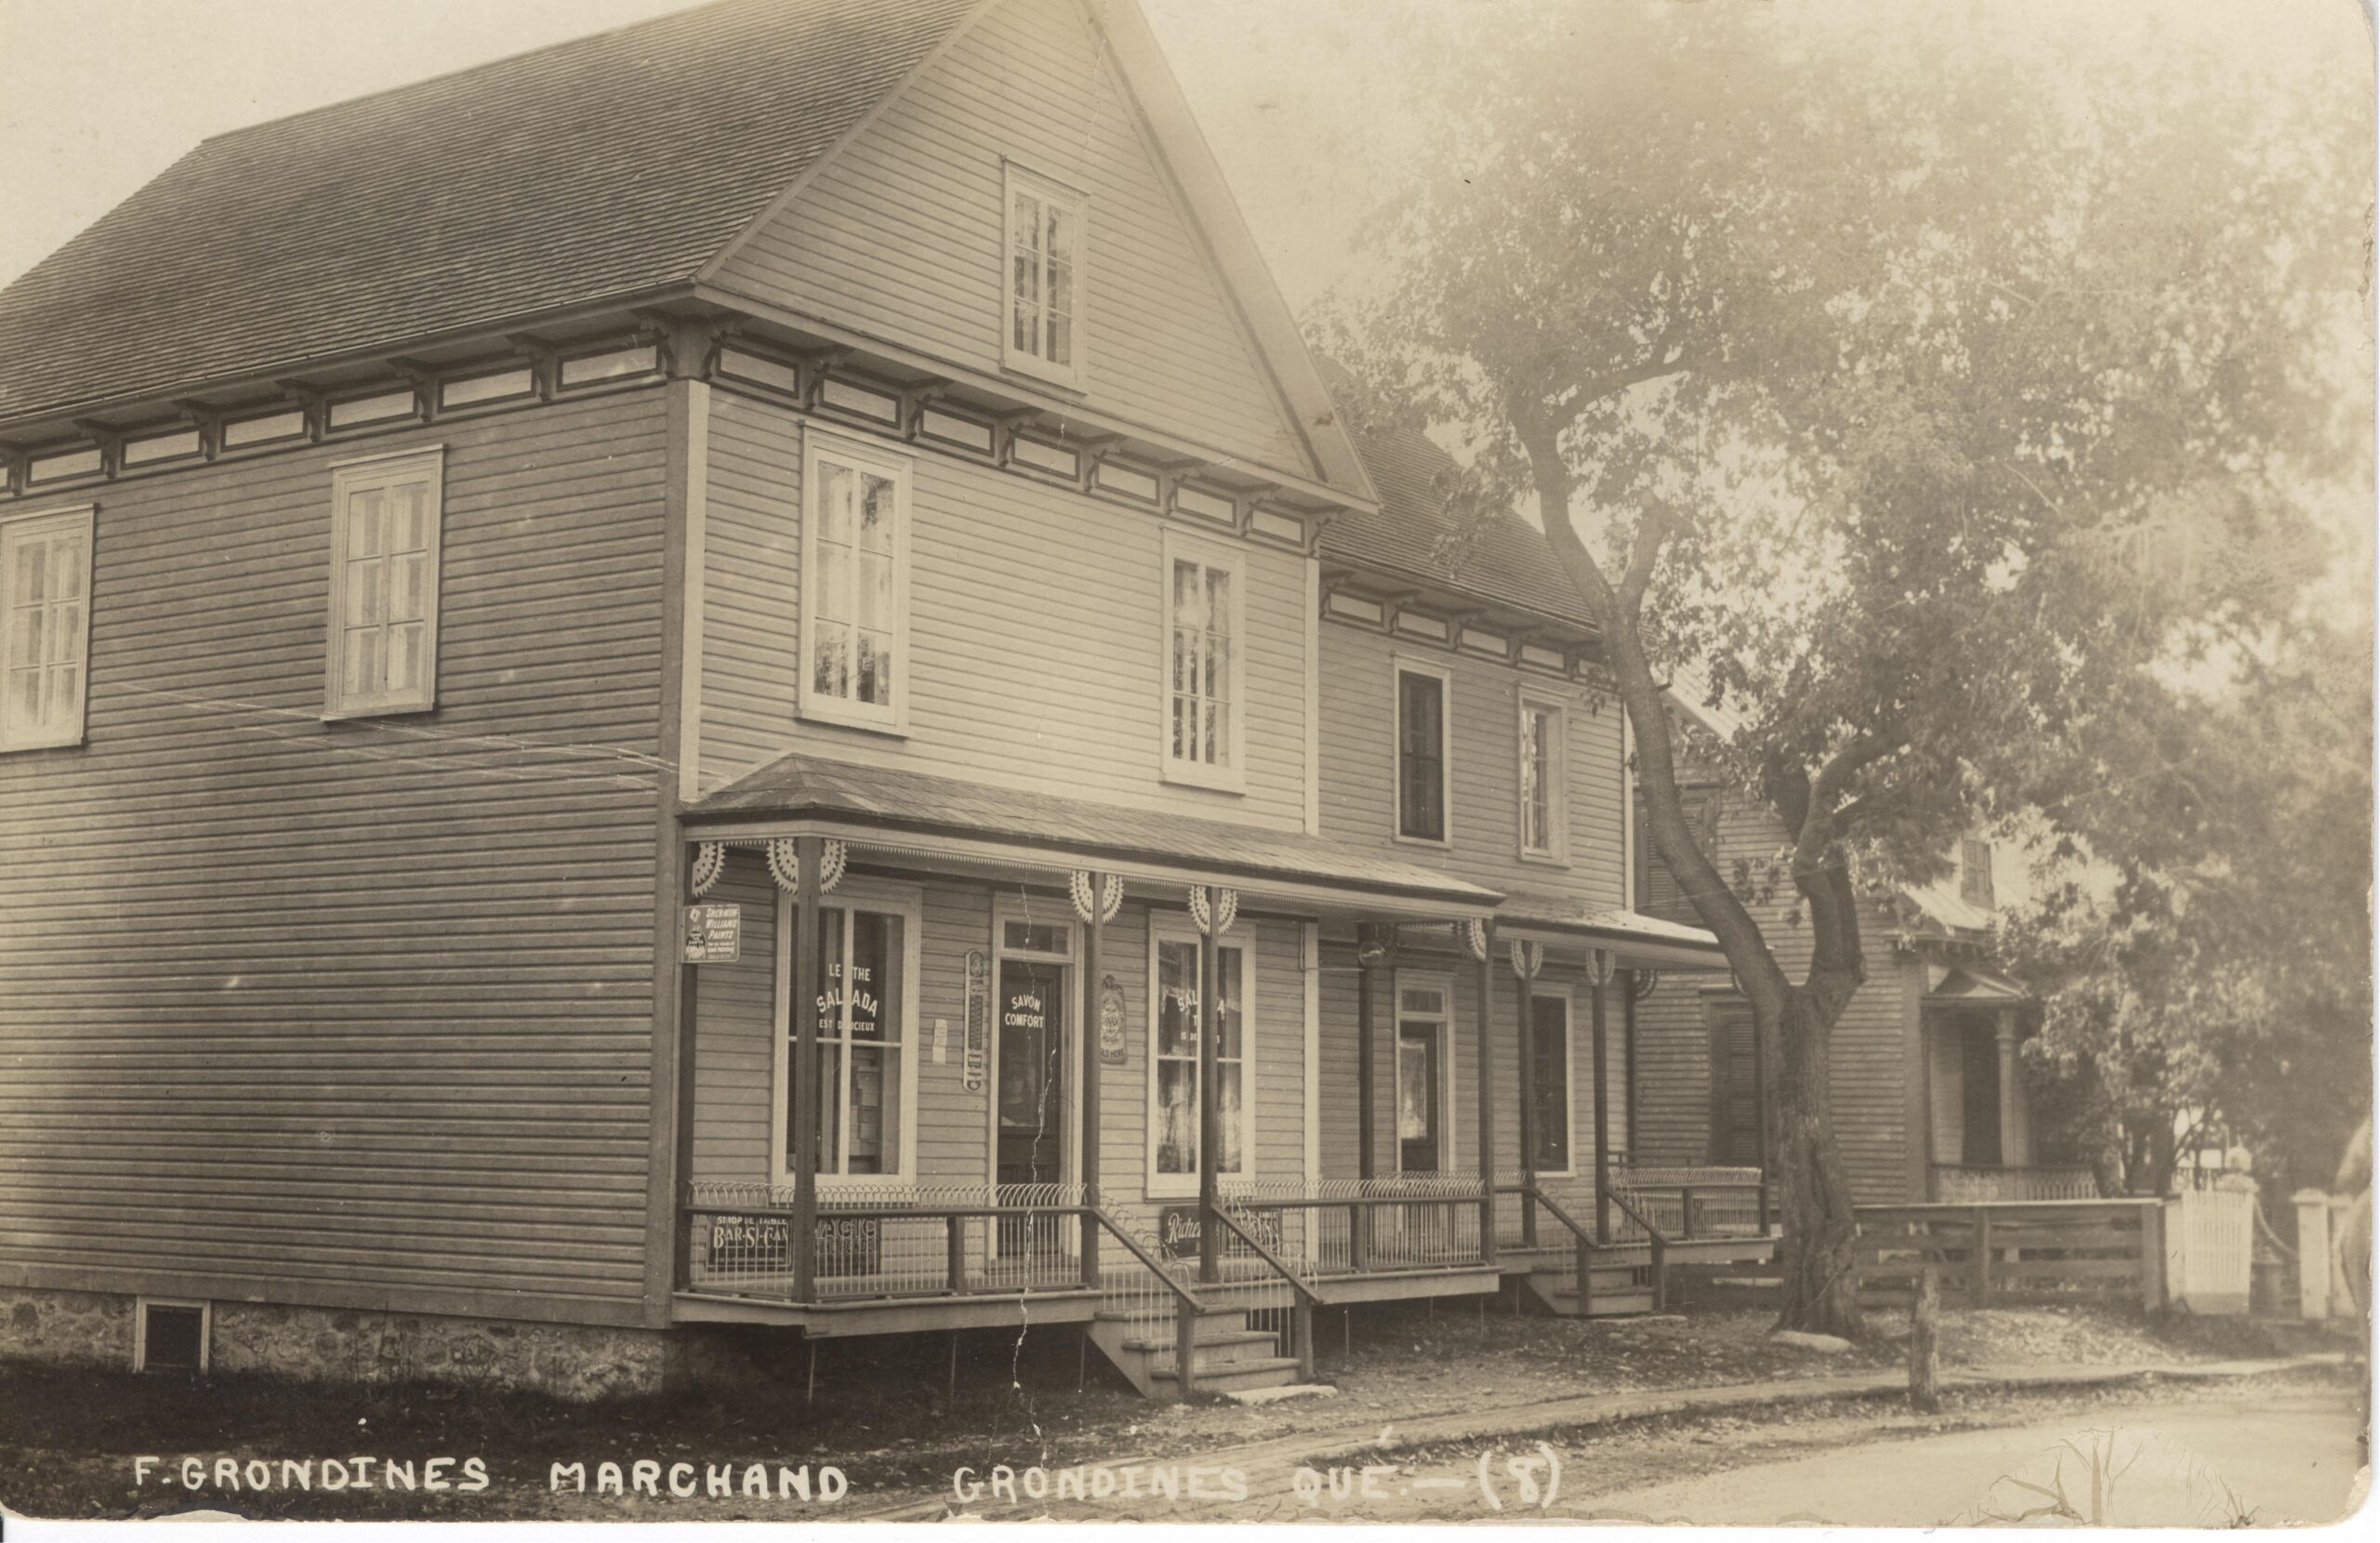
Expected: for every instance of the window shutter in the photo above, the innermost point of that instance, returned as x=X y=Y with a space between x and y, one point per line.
x=1658 y=893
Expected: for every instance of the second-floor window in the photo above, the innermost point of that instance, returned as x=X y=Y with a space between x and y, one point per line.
x=1045 y=246
x=1203 y=665
x=45 y=627
x=854 y=583
x=1541 y=739
x=386 y=513
x=1974 y=873
x=1420 y=754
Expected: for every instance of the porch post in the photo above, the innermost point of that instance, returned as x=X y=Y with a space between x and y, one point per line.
x=682 y=1232
x=2010 y=1153
x=810 y=855
x=1628 y=1051
x=1526 y=1045
x=1598 y=976
x=1211 y=1121
x=1759 y=1118
x=1487 y=1063
x=1088 y=1162
x=1367 y=1070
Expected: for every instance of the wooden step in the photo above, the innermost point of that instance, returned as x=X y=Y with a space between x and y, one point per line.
x=1608 y=1304
x=1238 y=1345
x=1232 y=1377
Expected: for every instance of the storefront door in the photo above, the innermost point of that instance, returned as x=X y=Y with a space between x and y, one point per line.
x=1031 y=1106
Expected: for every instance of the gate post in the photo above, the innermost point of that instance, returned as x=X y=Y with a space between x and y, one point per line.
x=2313 y=1253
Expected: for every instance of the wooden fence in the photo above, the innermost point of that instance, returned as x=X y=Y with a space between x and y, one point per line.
x=2011 y=1250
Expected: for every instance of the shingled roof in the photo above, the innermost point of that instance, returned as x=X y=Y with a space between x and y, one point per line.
x=1510 y=562
x=591 y=170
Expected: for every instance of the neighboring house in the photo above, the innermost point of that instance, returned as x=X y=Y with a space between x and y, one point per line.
x=516 y=580
x=1466 y=722
x=1929 y=1095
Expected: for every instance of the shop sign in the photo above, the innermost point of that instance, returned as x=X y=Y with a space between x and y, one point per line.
x=975 y=1053
x=1111 y=1022
x=1177 y=1230
x=762 y=1243
x=714 y=933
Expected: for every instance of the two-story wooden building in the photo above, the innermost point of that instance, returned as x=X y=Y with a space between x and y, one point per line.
x=739 y=672
x=1926 y=1080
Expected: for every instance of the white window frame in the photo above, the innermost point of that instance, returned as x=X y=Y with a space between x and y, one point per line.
x=1557 y=775
x=141 y=1306
x=818 y=447
x=1182 y=546
x=1569 y=1070
x=16 y=527
x=1006 y=909
x=1173 y=928
x=1443 y=984
x=1400 y=665
x=1015 y=179
x=349 y=478
x=905 y=900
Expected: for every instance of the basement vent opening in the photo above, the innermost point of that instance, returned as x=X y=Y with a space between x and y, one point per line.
x=171 y=1338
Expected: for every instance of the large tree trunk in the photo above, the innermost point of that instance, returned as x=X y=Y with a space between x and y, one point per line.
x=1821 y=1281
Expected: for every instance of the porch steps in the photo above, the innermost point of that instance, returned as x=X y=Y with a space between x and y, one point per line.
x=1618 y=1293
x=1231 y=1357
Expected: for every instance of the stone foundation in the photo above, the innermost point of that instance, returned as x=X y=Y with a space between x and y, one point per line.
x=570 y=1360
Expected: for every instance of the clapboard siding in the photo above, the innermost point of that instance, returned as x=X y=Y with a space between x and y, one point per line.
x=737 y=1029
x=1342 y=1114
x=323 y=1009
x=735 y=1018
x=1872 y=1067
x=1036 y=649
x=1358 y=767
x=899 y=234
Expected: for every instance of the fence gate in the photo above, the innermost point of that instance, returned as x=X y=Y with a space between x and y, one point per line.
x=2210 y=1245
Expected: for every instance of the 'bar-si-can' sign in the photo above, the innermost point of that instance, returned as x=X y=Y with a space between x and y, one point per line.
x=714 y=933
x=976 y=1053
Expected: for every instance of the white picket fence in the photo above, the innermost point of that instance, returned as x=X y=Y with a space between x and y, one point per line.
x=2323 y=1220
x=2210 y=1245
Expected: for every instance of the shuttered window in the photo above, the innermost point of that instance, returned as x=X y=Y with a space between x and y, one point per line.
x=1974 y=873
x=1421 y=755
x=1658 y=892
x=1204 y=669
x=384 y=584
x=45 y=633
x=1046 y=225
x=854 y=583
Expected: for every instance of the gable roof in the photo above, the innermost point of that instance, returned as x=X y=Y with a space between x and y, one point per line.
x=1510 y=562
x=599 y=171
x=593 y=169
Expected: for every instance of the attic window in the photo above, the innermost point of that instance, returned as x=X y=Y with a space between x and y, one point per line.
x=1045 y=231
x=1974 y=873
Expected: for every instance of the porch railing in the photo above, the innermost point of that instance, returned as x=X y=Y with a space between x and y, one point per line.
x=1355 y=1226
x=1686 y=1202
x=1979 y=1183
x=1585 y=1257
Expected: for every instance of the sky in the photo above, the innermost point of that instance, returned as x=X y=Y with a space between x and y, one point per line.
x=1297 y=97
x=98 y=96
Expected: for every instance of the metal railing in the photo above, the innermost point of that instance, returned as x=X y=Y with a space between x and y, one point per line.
x=1155 y=1295
x=1353 y=1226
x=1686 y=1202
x=1975 y=1183
x=1281 y=1287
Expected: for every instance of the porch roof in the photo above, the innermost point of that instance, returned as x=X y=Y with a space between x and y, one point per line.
x=1626 y=931
x=1075 y=830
